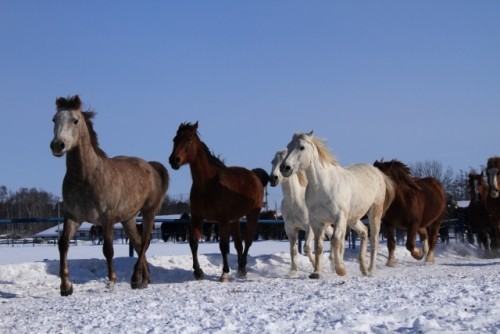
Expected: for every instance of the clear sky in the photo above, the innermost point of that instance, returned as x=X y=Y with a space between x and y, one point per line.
x=412 y=80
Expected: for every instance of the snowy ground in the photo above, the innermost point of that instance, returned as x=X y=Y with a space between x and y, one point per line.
x=460 y=293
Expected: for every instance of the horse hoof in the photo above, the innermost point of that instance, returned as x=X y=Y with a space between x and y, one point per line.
x=293 y=273
x=342 y=271
x=391 y=264
x=314 y=276
x=417 y=254
x=67 y=292
x=199 y=274
x=224 y=278
x=242 y=273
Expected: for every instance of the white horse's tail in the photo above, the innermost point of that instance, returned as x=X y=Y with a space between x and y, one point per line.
x=390 y=191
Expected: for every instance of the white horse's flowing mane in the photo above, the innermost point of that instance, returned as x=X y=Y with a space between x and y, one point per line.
x=325 y=155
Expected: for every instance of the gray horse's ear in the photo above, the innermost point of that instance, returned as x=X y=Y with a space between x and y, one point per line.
x=196 y=125
x=60 y=101
x=310 y=133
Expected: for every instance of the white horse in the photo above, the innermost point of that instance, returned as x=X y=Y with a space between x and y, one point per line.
x=294 y=209
x=341 y=196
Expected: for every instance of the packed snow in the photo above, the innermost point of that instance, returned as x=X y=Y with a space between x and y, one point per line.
x=460 y=293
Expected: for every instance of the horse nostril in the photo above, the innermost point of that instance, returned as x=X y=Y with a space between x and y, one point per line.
x=174 y=160
x=60 y=146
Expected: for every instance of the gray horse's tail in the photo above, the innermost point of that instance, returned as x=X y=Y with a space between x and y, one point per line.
x=162 y=171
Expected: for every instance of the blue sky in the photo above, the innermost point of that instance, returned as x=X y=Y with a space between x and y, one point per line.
x=412 y=80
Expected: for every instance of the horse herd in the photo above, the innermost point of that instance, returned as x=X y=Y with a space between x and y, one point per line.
x=319 y=196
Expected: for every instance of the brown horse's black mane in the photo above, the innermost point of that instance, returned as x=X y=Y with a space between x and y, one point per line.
x=211 y=157
x=398 y=171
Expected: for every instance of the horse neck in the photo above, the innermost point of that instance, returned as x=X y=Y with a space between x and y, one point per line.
x=291 y=188
x=482 y=190
x=201 y=168
x=316 y=172
x=82 y=160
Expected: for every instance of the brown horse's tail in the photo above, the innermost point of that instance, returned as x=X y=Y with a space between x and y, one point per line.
x=262 y=175
x=162 y=171
x=390 y=191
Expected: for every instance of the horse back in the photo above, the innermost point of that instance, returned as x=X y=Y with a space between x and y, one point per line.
x=232 y=193
x=119 y=187
x=434 y=198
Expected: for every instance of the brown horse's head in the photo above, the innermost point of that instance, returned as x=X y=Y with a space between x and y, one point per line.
x=492 y=171
x=186 y=143
x=477 y=187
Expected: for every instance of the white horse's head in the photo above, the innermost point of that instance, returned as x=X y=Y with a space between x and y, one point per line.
x=67 y=121
x=300 y=154
x=493 y=178
x=275 y=176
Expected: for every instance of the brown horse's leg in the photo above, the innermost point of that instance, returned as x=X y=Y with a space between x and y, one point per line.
x=238 y=245
x=196 y=228
x=107 y=249
x=433 y=237
x=69 y=229
x=411 y=241
x=224 y=249
x=252 y=218
x=391 y=244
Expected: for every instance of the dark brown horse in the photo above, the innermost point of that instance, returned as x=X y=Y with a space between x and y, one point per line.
x=485 y=225
x=419 y=207
x=103 y=190
x=218 y=193
x=95 y=234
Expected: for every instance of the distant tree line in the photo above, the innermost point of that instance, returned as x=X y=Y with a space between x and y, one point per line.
x=454 y=184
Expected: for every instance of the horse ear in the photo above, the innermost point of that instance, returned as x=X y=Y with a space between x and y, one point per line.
x=60 y=101
x=310 y=133
x=76 y=103
x=196 y=125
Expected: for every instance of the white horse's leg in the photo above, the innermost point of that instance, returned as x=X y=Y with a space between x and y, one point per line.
x=337 y=245
x=362 y=231
x=374 y=242
x=307 y=244
x=292 y=237
x=318 y=250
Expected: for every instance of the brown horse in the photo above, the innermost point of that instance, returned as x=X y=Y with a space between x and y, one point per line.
x=419 y=205
x=485 y=225
x=103 y=190
x=218 y=193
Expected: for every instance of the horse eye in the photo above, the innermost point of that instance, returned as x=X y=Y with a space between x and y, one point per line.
x=75 y=122
x=302 y=148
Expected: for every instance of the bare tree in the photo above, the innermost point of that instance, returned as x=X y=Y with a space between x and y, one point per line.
x=434 y=168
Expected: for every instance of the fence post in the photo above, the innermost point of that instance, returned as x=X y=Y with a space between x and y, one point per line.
x=130 y=249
